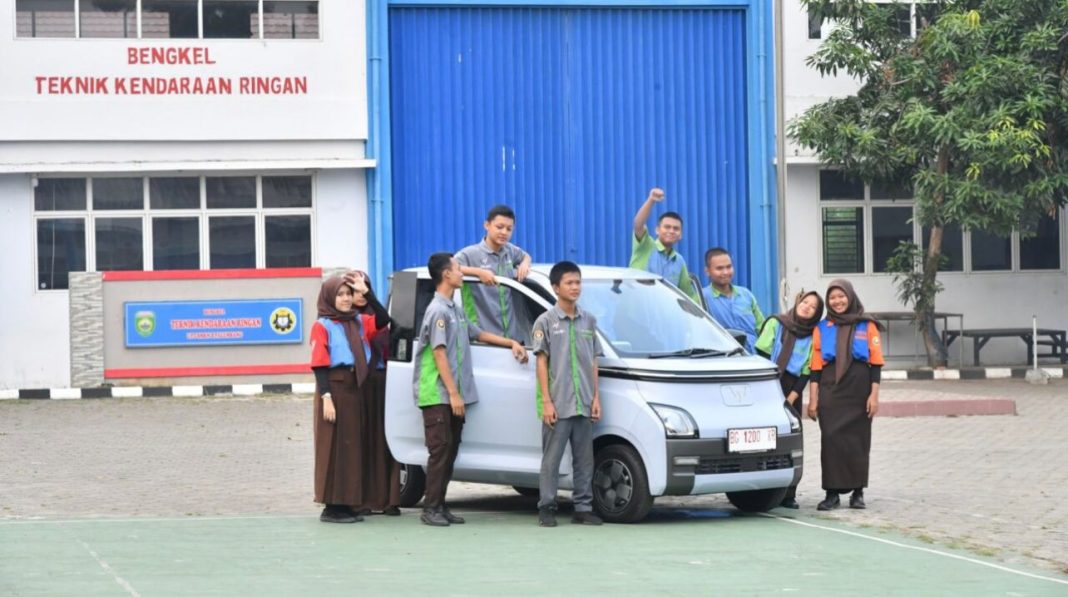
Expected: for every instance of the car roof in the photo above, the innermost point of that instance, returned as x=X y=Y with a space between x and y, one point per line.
x=589 y=272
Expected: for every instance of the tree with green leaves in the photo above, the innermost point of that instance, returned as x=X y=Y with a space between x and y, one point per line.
x=972 y=113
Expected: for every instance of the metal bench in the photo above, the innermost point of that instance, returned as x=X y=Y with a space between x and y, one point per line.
x=1054 y=339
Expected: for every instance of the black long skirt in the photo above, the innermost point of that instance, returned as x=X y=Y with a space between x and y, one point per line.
x=787 y=381
x=845 y=428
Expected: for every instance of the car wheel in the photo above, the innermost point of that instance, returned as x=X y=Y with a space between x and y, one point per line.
x=527 y=491
x=412 y=484
x=758 y=500
x=620 y=485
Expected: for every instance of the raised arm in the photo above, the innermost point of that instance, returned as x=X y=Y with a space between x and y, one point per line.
x=656 y=195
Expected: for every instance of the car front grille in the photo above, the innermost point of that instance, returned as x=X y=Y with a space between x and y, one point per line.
x=710 y=465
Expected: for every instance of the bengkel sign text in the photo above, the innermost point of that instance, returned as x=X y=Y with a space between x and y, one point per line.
x=62 y=84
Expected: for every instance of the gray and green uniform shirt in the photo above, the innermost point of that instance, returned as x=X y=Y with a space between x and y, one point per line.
x=444 y=324
x=572 y=346
x=490 y=307
x=652 y=256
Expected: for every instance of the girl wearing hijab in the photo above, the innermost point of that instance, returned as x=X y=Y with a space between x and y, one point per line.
x=786 y=339
x=847 y=359
x=339 y=359
x=381 y=479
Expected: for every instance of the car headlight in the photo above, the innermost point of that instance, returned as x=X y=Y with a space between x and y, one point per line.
x=677 y=422
x=795 y=423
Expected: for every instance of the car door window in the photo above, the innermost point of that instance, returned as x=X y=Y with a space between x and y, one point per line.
x=522 y=309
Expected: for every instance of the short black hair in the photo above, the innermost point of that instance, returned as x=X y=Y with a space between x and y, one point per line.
x=500 y=210
x=564 y=267
x=669 y=214
x=437 y=264
x=715 y=252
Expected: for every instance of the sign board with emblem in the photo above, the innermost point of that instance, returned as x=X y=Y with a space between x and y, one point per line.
x=213 y=323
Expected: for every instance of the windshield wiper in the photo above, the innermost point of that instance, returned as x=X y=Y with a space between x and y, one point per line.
x=694 y=353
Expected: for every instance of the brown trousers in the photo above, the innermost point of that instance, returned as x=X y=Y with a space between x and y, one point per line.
x=442 y=431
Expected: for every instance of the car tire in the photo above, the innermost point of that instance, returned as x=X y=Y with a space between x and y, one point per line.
x=412 y=484
x=757 y=500
x=527 y=491
x=620 y=485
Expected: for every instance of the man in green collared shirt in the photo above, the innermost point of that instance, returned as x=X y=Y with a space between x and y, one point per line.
x=659 y=256
x=569 y=403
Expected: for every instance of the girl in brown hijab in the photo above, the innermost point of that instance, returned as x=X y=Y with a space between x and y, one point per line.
x=847 y=363
x=339 y=359
x=381 y=473
x=786 y=339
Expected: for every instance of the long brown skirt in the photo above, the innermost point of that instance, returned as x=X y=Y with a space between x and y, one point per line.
x=338 y=449
x=381 y=473
x=845 y=428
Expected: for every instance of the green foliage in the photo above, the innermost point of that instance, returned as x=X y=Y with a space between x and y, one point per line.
x=973 y=110
x=913 y=287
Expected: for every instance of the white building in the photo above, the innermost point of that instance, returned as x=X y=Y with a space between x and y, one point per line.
x=836 y=229
x=171 y=134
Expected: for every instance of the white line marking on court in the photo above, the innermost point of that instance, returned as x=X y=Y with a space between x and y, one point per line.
x=917 y=548
x=99 y=560
x=15 y=521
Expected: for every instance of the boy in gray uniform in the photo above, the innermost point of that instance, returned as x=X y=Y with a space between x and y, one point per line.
x=566 y=345
x=487 y=304
x=443 y=382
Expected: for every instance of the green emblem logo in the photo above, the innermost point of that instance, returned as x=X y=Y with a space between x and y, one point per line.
x=145 y=323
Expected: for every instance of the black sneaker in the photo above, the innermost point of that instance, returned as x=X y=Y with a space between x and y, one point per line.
x=831 y=502
x=790 y=503
x=546 y=517
x=392 y=511
x=452 y=518
x=586 y=518
x=434 y=518
x=856 y=501
x=337 y=514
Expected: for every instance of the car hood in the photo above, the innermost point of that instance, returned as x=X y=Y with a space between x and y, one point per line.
x=690 y=369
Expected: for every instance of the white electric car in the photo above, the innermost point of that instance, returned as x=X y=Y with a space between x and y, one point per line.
x=686 y=411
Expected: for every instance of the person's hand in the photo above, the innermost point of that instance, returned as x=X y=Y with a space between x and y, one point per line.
x=519 y=352
x=595 y=409
x=792 y=397
x=522 y=271
x=656 y=195
x=872 y=405
x=548 y=412
x=457 y=404
x=813 y=406
x=486 y=277
x=357 y=281
x=329 y=413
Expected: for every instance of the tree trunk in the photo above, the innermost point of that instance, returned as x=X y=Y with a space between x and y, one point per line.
x=925 y=308
x=932 y=342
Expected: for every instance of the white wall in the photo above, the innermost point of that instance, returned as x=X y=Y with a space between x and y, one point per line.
x=341 y=219
x=35 y=337
x=987 y=299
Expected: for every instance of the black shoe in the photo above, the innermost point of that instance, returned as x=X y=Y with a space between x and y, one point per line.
x=452 y=518
x=831 y=502
x=362 y=511
x=586 y=518
x=434 y=518
x=392 y=511
x=790 y=503
x=546 y=517
x=337 y=514
x=856 y=501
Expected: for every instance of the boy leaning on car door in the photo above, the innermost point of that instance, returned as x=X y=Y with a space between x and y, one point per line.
x=443 y=382
x=568 y=402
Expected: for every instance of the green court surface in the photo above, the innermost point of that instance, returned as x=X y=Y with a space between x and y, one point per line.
x=711 y=552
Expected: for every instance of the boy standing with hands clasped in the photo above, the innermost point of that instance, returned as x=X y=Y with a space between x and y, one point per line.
x=444 y=384
x=566 y=345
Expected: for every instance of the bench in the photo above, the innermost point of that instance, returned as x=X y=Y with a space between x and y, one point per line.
x=1054 y=339
x=909 y=317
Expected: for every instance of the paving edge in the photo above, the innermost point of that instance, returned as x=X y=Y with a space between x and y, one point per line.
x=974 y=373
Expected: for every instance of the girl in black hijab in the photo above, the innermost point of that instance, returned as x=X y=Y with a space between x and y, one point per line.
x=786 y=339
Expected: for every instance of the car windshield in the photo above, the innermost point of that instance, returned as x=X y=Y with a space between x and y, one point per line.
x=649 y=318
